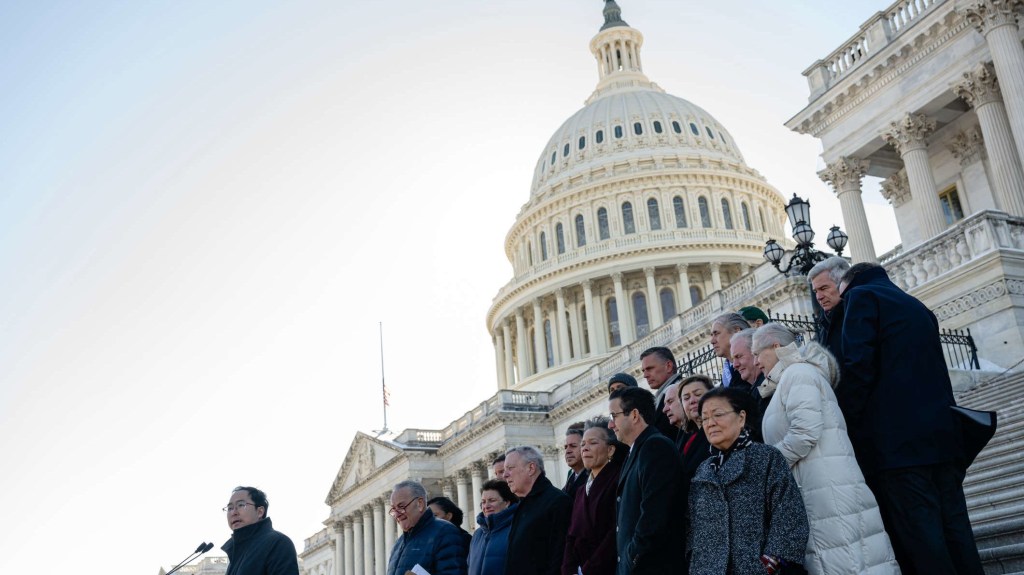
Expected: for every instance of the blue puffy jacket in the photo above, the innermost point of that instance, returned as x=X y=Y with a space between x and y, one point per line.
x=434 y=544
x=489 y=546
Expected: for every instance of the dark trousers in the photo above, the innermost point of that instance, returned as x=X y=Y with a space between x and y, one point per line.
x=925 y=514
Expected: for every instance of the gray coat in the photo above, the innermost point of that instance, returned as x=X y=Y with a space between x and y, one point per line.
x=749 y=507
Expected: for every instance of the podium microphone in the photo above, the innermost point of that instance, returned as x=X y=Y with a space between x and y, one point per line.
x=202 y=548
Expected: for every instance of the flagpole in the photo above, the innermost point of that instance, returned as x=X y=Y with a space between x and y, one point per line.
x=383 y=387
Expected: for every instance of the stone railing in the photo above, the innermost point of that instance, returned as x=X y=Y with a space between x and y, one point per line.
x=969 y=240
x=317 y=540
x=505 y=400
x=874 y=34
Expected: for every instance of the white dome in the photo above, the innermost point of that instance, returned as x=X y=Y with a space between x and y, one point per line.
x=667 y=125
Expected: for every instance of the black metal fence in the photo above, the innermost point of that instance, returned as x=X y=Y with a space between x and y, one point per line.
x=957 y=346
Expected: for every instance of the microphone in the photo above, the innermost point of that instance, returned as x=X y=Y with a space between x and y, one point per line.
x=202 y=548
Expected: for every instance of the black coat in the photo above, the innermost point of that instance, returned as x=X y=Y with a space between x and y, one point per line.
x=573 y=485
x=660 y=419
x=536 y=540
x=590 y=544
x=649 y=506
x=830 y=330
x=258 y=549
x=894 y=390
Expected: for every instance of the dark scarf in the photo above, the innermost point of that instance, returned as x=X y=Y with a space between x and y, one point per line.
x=719 y=457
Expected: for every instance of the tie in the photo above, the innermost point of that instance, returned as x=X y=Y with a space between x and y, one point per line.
x=726 y=373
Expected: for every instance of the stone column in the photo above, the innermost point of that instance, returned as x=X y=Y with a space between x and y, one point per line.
x=909 y=137
x=499 y=359
x=339 y=547
x=593 y=329
x=980 y=89
x=540 y=350
x=845 y=176
x=684 y=287
x=462 y=480
x=368 y=556
x=575 y=336
x=716 y=276
x=625 y=326
x=389 y=529
x=522 y=349
x=654 y=311
x=350 y=566
x=357 y=544
x=479 y=476
x=997 y=21
x=563 y=328
x=510 y=376
x=379 y=513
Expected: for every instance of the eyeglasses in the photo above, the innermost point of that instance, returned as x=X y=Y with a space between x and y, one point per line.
x=615 y=414
x=714 y=417
x=241 y=505
x=401 y=507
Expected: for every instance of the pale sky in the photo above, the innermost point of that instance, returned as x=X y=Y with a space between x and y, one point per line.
x=207 y=207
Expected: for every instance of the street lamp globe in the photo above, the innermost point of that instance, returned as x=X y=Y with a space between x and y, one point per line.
x=798 y=210
x=803 y=234
x=837 y=239
x=773 y=252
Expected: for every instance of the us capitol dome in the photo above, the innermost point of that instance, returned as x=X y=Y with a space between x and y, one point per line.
x=641 y=206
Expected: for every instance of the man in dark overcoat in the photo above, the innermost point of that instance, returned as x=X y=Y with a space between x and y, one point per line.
x=649 y=507
x=536 y=539
x=896 y=395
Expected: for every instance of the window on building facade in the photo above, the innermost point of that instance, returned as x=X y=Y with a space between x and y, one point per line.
x=581 y=232
x=583 y=142
x=560 y=238
x=726 y=214
x=680 y=212
x=708 y=130
x=638 y=128
x=705 y=213
x=618 y=131
x=657 y=127
x=695 y=296
x=565 y=150
x=676 y=127
x=643 y=324
x=613 y=323
x=554 y=158
x=746 y=217
x=585 y=328
x=549 y=348
x=693 y=128
x=602 y=224
x=950 y=201
x=668 y=303
x=653 y=214
x=599 y=136
x=543 y=247
x=628 y=226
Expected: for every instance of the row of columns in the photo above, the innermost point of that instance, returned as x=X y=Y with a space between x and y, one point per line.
x=363 y=540
x=996 y=91
x=568 y=336
x=464 y=489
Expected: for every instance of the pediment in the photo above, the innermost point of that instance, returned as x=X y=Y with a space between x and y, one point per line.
x=365 y=455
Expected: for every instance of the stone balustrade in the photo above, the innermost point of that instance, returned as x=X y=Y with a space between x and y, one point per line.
x=320 y=538
x=969 y=240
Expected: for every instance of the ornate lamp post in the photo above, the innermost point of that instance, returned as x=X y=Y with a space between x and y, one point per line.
x=804 y=256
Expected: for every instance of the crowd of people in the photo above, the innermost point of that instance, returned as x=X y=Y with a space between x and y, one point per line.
x=835 y=456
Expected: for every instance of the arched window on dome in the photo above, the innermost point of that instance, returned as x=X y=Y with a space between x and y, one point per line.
x=602 y=224
x=581 y=232
x=643 y=324
x=705 y=213
x=549 y=348
x=760 y=213
x=657 y=127
x=554 y=158
x=618 y=131
x=695 y=295
x=721 y=136
x=565 y=150
x=726 y=214
x=560 y=238
x=746 y=217
x=693 y=128
x=708 y=130
x=668 y=303
x=543 y=247
x=628 y=226
x=680 y=211
x=583 y=142
x=613 y=322
x=676 y=127
x=599 y=137
x=653 y=214
x=638 y=128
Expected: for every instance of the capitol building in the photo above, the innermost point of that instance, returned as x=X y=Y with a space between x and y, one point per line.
x=644 y=222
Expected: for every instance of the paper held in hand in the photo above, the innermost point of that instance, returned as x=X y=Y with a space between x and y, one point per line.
x=417 y=570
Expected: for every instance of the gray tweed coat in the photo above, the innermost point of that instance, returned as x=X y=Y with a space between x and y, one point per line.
x=749 y=507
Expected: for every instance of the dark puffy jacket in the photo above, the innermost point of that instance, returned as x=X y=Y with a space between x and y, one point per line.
x=489 y=546
x=259 y=550
x=434 y=544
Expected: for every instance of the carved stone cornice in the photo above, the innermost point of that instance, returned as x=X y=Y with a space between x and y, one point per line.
x=909 y=133
x=979 y=86
x=985 y=15
x=967 y=146
x=896 y=189
x=845 y=172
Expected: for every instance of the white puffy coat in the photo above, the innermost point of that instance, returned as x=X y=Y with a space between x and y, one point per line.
x=804 y=422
